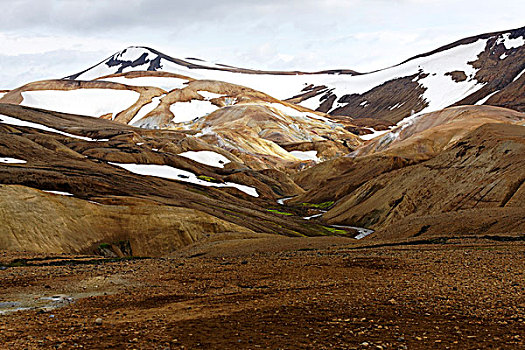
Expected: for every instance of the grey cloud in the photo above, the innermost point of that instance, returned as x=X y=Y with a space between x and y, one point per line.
x=102 y=15
x=318 y=34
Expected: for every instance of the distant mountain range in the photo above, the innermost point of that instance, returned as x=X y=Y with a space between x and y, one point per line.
x=468 y=71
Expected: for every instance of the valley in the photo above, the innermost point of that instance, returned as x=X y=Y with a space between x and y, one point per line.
x=159 y=202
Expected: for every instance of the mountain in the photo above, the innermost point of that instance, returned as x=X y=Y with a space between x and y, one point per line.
x=202 y=108
x=468 y=71
x=153 y=202
x=144 y=153
x=451 y=171
x=481 y=69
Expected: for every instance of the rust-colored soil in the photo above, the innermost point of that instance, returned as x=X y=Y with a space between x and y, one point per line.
x=271 y=293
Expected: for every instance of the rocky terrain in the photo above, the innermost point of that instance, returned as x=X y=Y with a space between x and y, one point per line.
x=270 y=292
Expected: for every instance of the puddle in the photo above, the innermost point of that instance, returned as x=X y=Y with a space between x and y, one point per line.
x=44 y=303
x=35 y=303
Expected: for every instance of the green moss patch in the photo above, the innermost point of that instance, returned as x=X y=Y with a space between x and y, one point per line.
x=279 y=212
x=208 y=178
x=335 y=231
x=324 y=205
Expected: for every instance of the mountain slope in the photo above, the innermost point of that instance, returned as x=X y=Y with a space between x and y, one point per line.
x=482 y=172
x=146 y=88
x=95 y=181
x=419 y=140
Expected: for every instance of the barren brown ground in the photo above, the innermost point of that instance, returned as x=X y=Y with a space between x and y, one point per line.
x=277 y=293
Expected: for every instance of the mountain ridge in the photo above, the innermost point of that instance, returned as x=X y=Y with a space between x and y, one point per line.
x=487 y=65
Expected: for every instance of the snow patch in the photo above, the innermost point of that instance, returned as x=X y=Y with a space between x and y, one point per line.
x=443 y=91
x=18 y=122
x=312 y=216
x=7 y=160
x=209 y=95
x=305 y=155
x=511 y=43
x=485 y=99
x=363 y=232
x=91 y=102
x=187 y=111
x=145 y=110
x=519 y=75
x=168 y=172
x=393 y=134
x=281 y=201
x=60 y=193
x=373 y=134
x=207 y=157
x=397 y=105
x=132 y=53
x=313 y=102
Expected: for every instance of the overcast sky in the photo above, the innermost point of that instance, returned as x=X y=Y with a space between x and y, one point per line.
x=42 y=39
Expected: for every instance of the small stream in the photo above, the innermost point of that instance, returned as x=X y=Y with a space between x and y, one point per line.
x=362 y=232
x=281 y=201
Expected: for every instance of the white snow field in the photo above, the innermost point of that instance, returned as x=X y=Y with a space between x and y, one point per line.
x=511 y=43
x=168 y=172
x=441 y=91
x=90 y=102
x=206 y=157
x=145 y=110
x=209 y=95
